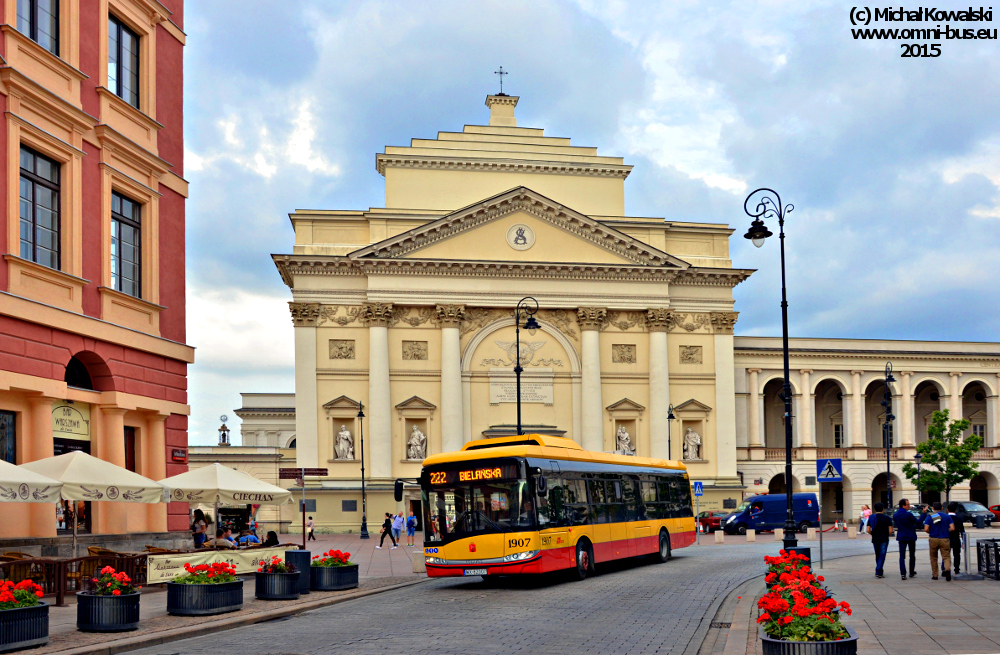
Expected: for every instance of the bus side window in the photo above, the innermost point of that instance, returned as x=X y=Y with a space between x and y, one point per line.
x=631 y=501
x=683 y=497
x=552 y=508
x=598 y=500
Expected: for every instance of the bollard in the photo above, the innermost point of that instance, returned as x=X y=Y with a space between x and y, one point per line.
x=720 y=537
x=779 y=534
x=810 y=534
x=852 y=532
x=751 y=535
x=418 y=560
x=301 y=559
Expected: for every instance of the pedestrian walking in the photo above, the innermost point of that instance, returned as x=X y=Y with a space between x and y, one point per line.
x=387 y=532
x=906 y=534
x=310 y=527
x=411 y=529
x=397 y=527
x=198 y=527
x=880 y=528
x=866 y=513
x=958 y=517
x=938 y=526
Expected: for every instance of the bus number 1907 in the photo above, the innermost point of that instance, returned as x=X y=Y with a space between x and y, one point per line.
x=518 y=543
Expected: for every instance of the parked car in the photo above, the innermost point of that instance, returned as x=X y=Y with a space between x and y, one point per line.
x=768 y=512
x=711 y=521
x=996 y=511
x=973 y=509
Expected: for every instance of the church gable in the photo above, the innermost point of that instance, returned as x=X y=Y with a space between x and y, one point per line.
x=519 y=225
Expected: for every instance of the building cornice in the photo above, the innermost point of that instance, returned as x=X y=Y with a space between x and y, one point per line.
x=383 y=161
x=870 y=354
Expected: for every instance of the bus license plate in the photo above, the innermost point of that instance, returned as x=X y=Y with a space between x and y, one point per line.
x=474 y=572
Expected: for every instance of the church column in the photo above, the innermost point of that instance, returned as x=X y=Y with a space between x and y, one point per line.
x=155 y=467
x=955 y=399
x=42 y=516
x=305 y=317
x=807 y=404
x=591 y=320
x=453 y=434
x=857 y=411
x=906 y=410
x=725 y=395
x=658 y=321
x=377 y=317
x=754 y=409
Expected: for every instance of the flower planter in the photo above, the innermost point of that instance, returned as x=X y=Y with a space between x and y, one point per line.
x=107 y=613
x=848 y=646
x=277 y=586
x=204 y=599
x=24 y=627
x=333 y=578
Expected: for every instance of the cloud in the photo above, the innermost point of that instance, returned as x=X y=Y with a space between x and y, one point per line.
x=893 y=164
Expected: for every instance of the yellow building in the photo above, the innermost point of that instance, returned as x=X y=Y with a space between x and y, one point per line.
x=409 y=309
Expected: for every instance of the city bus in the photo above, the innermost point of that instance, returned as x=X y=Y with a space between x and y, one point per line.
x=535 y=503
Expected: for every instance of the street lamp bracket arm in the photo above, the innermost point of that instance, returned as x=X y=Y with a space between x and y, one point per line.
x=768 y=205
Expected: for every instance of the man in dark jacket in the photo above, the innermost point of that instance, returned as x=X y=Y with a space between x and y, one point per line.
x=959 y=516
x=906 y=534
x=880 y=528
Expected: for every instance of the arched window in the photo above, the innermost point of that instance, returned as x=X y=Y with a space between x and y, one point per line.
x=77 y=375
x=291 y=444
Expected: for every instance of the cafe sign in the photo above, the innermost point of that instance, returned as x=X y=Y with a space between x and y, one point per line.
x=71 y=420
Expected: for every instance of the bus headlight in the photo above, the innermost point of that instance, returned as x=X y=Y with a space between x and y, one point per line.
x=518 y=557
x=433 y=560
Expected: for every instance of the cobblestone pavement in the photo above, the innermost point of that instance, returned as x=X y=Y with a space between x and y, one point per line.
x=627 y=608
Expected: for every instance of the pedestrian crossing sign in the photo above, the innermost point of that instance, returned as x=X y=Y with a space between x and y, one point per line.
x=829 y=470
x=698 y=489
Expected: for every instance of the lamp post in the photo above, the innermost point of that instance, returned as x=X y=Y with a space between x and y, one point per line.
x=529 y=306
x=670 y=418
x=364 y=496
x=769 y=206
x=920 y=493
x=887 y=430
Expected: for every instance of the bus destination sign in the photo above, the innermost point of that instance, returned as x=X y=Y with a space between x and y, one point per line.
x=478 y=474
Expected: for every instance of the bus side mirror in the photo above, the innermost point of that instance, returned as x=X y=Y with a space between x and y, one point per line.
x=542 y=486
x=398 y=491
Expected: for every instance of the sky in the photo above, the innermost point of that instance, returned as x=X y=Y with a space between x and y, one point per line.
x=892 y=164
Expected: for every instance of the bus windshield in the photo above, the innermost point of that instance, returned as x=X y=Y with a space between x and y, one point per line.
x=461 y=510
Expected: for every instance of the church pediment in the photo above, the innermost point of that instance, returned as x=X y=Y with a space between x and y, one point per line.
x=342 y=403
x=519 y=225
x=416 y=402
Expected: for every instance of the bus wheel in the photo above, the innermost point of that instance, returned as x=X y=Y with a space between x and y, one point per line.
x=741 y=529
x=663 y=554
x=583 y=560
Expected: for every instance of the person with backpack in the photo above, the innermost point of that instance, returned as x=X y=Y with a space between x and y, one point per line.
x=880 y=528
x=939 y=526
x=411 y=529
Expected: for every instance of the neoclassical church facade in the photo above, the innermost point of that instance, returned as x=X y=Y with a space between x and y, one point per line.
x=407 y=313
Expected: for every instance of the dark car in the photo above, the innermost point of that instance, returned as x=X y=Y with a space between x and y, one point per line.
x=974 y=509
x=711 y=521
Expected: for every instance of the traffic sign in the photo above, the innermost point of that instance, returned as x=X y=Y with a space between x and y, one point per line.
x=698 y=489
x=830 y=470
x=294 y=474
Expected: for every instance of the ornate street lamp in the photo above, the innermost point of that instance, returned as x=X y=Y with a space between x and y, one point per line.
x=529 y=306
x=769 y=206
x=670 y=418
x=920 y=493
x=364 y=497
x=887 y=430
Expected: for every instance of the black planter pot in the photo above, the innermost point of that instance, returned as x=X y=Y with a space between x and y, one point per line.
x=300 y=559
x=203 y=599
x=277 y=586
x=24 y=627
x=848 y=646
x=107 y=613
x=333 y=578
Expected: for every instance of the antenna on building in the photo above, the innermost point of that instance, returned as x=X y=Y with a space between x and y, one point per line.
x=501 y=73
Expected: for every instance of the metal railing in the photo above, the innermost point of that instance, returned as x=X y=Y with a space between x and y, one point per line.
x=988 y=557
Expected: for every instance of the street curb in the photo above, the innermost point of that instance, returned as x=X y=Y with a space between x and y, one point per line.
x=176 y=634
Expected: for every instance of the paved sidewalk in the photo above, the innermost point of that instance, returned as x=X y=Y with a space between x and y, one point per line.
x=894 y=617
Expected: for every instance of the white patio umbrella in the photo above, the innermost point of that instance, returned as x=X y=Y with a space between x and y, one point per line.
x=220 y=484
x=88 y=478
x=19 y=485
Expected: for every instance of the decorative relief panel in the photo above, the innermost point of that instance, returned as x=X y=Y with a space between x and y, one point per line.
x=330 y=314
x=691 y=322
x=414 y=316
x=691 y=355
x=341 y=348
x=561 y=318
x=416 y=350
x=477 y=318
x=623 y=353
x=627 y=320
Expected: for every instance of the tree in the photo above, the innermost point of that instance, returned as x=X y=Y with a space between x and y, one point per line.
x=947 y=459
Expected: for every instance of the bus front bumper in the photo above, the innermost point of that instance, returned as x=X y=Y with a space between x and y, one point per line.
x=465 y=568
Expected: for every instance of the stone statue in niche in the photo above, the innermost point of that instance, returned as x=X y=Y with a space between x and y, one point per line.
x=345 y=444
x=624 y=441
x=416 y=445
x=692 y=444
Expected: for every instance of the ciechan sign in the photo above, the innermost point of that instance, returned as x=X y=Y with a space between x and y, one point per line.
x=253 y=498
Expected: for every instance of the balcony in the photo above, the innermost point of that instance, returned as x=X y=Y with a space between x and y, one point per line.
x=871 y=454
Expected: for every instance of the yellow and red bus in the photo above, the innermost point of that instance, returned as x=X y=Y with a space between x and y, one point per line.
x=535 y=503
